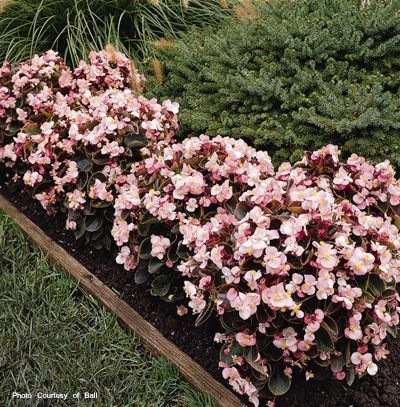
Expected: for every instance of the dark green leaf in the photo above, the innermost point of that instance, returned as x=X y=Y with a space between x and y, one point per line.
x=331 y=307
x=241 y=210
x=155 y=265
x=145 y=249
x=93 y=223
x=279 y=383
x=376 y=285
x=350 y=376
x=161 y=285
x=141 y=276
x=330 y=325
x=362 y=282
x=143 y=229
x=389 y=293
x=369 y=297
x=250 y=353
x=323 y=340
x=85 y=164
x=135 y=141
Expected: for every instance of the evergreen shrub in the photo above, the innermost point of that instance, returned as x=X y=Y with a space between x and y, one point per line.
x=293 y=75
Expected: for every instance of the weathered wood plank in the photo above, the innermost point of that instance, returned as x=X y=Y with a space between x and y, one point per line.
x=150 y=336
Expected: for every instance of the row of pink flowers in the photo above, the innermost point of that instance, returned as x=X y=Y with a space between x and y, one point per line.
x=299 y=263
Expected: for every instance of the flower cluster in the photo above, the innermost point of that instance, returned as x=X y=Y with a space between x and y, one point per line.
x=300 y=264
x=72 y=135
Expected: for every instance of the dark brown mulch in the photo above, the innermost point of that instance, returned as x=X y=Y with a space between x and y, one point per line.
x=380 y=390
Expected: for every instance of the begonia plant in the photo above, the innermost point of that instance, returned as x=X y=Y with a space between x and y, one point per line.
x=301 y=265
x=71 y=135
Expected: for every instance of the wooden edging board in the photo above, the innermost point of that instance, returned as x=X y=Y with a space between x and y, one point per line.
x=154 y=341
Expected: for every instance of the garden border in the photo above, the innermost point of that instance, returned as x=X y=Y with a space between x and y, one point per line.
x=153 y=340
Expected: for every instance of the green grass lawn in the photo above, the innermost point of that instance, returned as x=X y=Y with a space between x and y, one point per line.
x=54 y=338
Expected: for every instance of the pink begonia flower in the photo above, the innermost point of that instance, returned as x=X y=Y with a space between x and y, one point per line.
x=222 y=192
x=202 y=256
x=219 y=338
x=204 y=282
x=231 y=275
x=216 y=256
x=189 y=288
x=99 y=191
x=181 y=310
x=346 y=294
x=394 y=193
x=123 y=254
x=326 y=256
x=309 y=284
x=329 y=150
x=124 y=257
x=286 y=340
x=244 y=339
x=381 y=311
x=173 y=107
x=251 y=277
x=309 y=375
x=342 y=179
x=277 y=297
x=197 y=302
x=295 y=284
x=361 y=262
x=47 y=128
x=121 y=230
x=128 y=198
x=7 y=151
x=246 y=304
x=185 y=184
x=381 y=353
x=275 y=261
x=364 y=363
x=256 y=243
x=262 y=326
x=70 y=224
x=353 y=331
x=288 y=372
x=240 y=385
x=376 y=333
x=191 y=205
x=292 y=246
x=32 y=178
x=340 y=375
x=325 y=284
x=112 y=149
x=159 y=246
x=76 y=199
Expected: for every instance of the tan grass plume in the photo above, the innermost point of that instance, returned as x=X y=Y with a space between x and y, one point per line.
x=4 y=4
x=158 y=71
x=164 y=43
x=246 y=9
x=110 y=49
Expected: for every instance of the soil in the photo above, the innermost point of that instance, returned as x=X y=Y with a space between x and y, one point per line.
x=380 y=390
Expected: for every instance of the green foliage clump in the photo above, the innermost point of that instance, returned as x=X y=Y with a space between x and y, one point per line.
x=75 y=27
x=294 y=75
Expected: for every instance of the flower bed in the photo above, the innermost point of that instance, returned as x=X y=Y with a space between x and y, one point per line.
x=299 y=264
